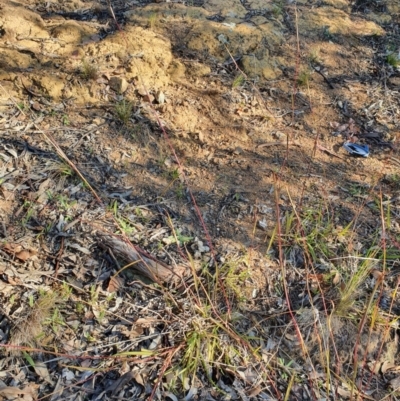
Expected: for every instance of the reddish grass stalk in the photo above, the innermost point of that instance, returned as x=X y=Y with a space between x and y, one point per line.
x=282 y=266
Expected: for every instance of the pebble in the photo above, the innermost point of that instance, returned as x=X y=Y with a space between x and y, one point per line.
x=160 y=97
x=238 y=150
x=120 y=85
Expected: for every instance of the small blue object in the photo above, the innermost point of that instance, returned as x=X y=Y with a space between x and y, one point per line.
x=357 y=150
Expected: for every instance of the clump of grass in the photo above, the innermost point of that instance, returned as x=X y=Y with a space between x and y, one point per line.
x=304 y=78
x=238 y=81
x=210 y=341
x=393 y=60
x=153 y=20
x=88 y=70
x=58 y=168
x=326 y=33
x=123 y=111
x=277 y=9
x=21 y=106
x=29 y=330
x=393 y=180
x=314 y=56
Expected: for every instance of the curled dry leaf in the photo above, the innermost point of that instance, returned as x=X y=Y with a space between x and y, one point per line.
x=115 y=284
x=386 y=366
x=18 y=252
x=11 y=392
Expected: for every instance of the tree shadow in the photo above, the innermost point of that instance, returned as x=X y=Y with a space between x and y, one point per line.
x=229 y=182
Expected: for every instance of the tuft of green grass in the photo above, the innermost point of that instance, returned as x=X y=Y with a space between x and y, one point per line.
x=304 y=78
x=314 y=237
x=59 y=168
x=153 y=20
x=393 y=60
x=123 y=111
x=21 y=106
x=238 y=81
x=30 y=212
x=210 y=341
x=65 y=120
x=65 y=203
x=89 y=71
x=277 y=9
x=42 y=312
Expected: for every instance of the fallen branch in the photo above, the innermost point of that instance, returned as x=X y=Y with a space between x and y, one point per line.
x=143 y=263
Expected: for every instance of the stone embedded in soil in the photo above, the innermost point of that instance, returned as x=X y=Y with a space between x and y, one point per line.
x=265 y=67
x=120 y=85
x=160 y=97
x=148 y=98
x=50 y=85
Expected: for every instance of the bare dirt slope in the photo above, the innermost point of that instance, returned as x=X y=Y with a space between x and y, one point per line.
x=200 y=126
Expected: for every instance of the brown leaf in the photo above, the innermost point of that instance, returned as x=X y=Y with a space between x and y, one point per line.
x=115 y=283
x=253 y=392
x=12 y=248
x=336 y=278
x=12 y=392
x=378 y=275
x=23 y=255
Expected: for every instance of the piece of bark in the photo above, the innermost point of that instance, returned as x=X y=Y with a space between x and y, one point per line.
x=146 y=265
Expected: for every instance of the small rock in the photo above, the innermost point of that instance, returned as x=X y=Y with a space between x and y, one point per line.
x=99 y=121
x=202 y=248
x=120 y=85
x=141 y=91
x=201 y=137
x=148 y=98
x=238 y=150
x=279 y=135
x=36 y=106
x=160 y=97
